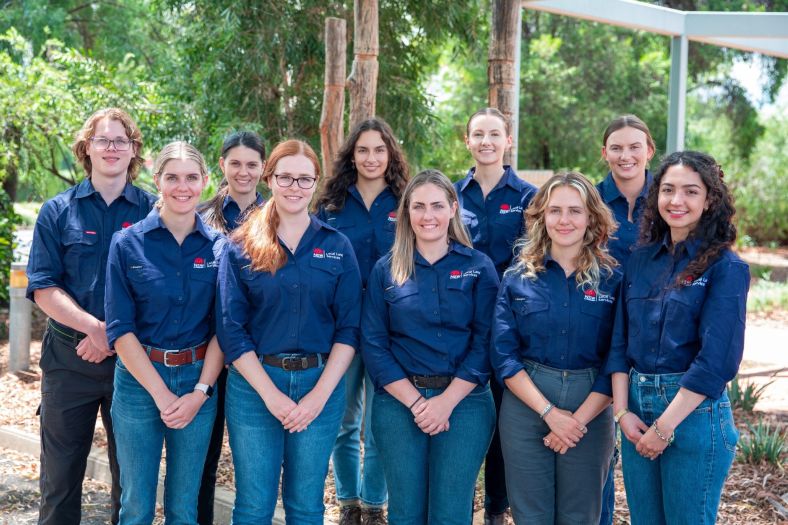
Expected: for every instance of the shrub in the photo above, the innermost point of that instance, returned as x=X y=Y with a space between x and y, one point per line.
x=745 y=396
x=763 y=444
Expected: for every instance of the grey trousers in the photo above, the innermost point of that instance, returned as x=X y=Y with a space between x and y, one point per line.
x=545 y=487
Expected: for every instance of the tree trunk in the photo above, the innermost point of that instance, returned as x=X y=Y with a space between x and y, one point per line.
x=331 y=131
x=503 y=65
x=363 y=79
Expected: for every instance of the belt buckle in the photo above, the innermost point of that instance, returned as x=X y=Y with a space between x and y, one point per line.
x=167 y=353
x=418 y=383
x=298 y=363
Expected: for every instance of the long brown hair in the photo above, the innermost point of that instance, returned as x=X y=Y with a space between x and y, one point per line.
x=80 y=146
x=593 y=257
x=257 y=235
x=404 y=247
x=334 y=188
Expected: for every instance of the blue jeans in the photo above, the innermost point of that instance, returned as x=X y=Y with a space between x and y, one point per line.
x=139 y=436
x=609 y=492
x=262 y=449
x=683 y=485
x=431 y=479
x=369 y=486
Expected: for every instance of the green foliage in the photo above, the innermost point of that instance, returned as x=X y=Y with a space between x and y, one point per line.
x=745 y=396
x=767 y=296
x=8 y=221
x=763 y=444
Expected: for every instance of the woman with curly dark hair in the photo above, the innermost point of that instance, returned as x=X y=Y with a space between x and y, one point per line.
x=360 y=200
x=678 y=340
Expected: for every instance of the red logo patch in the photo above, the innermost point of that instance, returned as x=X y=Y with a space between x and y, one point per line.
x=319 y=253
x=125 y=224
x=393 y=216
x=590 y=293
x=688 y=280
x=455 y=274
x=199 y=260
x=505 y=207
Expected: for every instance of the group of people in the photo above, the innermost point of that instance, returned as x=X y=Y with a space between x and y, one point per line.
x=447 y=325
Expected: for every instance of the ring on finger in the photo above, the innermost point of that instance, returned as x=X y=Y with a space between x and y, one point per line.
x=546 y=442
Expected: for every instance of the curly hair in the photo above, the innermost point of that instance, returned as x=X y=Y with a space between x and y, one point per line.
x=715 y=229
x=593 y=257
x=334 y=189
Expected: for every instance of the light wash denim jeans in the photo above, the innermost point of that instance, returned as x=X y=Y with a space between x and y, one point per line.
x=367 y=485
x=431 y=479
x=139 y=435
x=683 y=485
x=263 y=450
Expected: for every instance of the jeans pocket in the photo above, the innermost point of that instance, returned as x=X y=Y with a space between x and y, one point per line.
x=730 y=435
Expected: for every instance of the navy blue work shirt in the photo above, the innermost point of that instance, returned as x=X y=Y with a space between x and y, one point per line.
x=371 y=232
x=72 y=238
x=551 y=321
x=496 y=221
x=161 y=291
x=696 y=327
x=627 y=234
x=308 y=305
x=233 y=216
x=436 y=324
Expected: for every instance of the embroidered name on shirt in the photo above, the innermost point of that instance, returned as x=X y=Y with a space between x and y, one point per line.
x=335 y=255
x=471 y=273
x=506 y=208
x=601 y=297
x=90 y=232
x=691 y=281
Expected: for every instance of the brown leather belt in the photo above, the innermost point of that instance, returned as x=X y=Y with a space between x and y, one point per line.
x=180 y=357
x=294 y=363
x=430 y=381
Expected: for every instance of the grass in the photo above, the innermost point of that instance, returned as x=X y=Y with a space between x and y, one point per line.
x=767 y=296
x=763 y=444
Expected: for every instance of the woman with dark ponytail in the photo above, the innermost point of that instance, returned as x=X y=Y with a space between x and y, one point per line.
x=241 y=162
x=677 y=341
x=288 y=309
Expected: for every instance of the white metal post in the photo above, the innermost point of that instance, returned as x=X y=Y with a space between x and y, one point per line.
x=677 y=97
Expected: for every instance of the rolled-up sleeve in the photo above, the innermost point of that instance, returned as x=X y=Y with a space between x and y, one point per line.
x=119 y=307
x=232 y=307
x=475 y=366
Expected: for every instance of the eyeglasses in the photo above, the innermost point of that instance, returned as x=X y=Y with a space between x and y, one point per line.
x=101 y=143
x=285 y=181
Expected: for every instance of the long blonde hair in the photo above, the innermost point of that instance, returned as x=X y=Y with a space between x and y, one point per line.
x=403 y=250
x=593 y=257
x=257 y=235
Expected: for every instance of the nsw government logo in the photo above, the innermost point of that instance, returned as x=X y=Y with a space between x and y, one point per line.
x=455 y=274
x=392 y=217
x=508 y=208
x=318 y=253
x=199 y=262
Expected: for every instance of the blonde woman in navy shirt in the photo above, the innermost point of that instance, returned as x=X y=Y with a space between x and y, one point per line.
x=678 y=340
x=425 y=344
x=161 y=281
x=288 y=304
x=551 y=335
x=360 y=199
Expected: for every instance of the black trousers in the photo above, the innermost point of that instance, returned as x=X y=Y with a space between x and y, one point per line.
x=72 y=394
x=205 y=500
x=495 y=500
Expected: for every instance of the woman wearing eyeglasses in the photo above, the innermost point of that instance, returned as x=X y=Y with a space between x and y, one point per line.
x=288 y=305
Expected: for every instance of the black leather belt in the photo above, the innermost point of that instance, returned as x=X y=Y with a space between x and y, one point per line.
x=433 y=382
x=294 y=363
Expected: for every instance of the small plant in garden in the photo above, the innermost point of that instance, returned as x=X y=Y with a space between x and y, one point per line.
x=763 y=444
x=745 y=396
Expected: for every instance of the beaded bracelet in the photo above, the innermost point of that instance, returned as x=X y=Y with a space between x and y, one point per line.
x=661 y=436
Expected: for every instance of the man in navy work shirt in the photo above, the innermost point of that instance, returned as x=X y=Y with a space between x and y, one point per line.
x=67 y=272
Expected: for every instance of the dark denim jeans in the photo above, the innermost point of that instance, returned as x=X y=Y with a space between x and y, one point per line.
x=367 y=485
x=431 y=479
x=263 y=450
x=683 y=485
x=140 y=434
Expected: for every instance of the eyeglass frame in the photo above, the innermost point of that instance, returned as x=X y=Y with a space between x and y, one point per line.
x=296 y=180
x=110 y=142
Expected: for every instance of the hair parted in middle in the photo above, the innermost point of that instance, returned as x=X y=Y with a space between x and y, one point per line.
x=177 y=150
x=88 y=130
x=593 y=258
x=257 y=235
x=334 y=189
x=404 y=247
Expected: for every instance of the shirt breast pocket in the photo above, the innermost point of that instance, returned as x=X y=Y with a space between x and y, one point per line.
x=324 y=276
x=149 y=286
x=597 y=319
x=203 y=283
x=682 y=310
x=403 y=305
x=640 y=309
x=81 y=256
x=533 y=320
x=460 y=300
x=262 y=289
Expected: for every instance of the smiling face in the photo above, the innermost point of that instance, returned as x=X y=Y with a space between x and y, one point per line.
x=109 y=163
x=292 y=200
x=487 y=140
x=682 y=200
x=242 y=167
x=370 y=155
x=430 y=214
x=627 y=152
x=180 y=184
x=566 y=219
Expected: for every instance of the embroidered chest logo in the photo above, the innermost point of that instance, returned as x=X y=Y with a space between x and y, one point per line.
x=598 y=297
x=508 y=208
x=125 y=224
x=392 y=217
x=455 y=274
x=199 y=262
x=691 y=281
x=318 y=253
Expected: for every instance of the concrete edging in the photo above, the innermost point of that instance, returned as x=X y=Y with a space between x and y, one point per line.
x=98 y=469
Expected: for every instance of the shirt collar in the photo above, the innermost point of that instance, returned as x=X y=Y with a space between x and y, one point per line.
x=86 y=189
x=509 y=178
x=610 y=192
x=690 y=246
x=153 y=221
x=228 y=199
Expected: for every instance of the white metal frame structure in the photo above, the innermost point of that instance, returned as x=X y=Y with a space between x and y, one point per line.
x=765 y=33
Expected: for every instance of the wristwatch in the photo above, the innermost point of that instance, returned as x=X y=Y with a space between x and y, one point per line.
x=205 y=389
x=621 y=413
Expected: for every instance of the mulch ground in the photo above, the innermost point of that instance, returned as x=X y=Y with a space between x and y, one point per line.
x=747 y=497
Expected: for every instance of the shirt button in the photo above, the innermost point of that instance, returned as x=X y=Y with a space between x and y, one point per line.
x=175 y=321
x=566 y=305
x=180 y=298
x=563 y=332
x=292 y=335
x=294 y=310
x=440 y=334
x=178 y=274
x=295 y=286
x=434 y=290
x=653 y=349
x=435 y=312
x=642 y=379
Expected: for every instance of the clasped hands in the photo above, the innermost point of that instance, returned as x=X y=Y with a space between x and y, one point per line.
x=565 y=430
x=647 y=443
x=432 y=415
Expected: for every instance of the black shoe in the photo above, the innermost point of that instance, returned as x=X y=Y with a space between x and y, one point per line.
x=493 y=519
x=373 y=517
x=350 y=515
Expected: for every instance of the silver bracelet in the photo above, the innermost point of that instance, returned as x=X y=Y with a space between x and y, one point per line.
x=661 y=436
x=546 y=410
